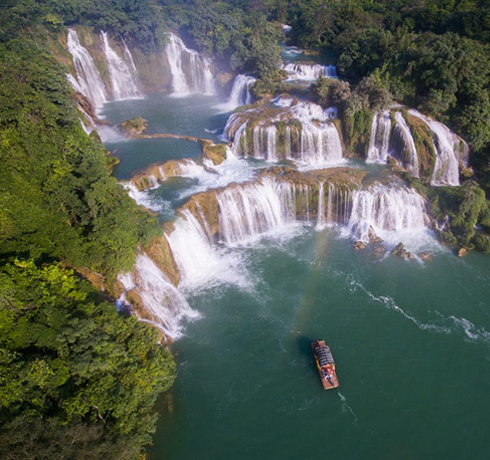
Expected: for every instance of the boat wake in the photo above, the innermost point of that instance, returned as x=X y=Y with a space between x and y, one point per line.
x=451 y=324
x=347 y=408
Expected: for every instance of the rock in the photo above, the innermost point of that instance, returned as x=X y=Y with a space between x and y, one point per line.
x=410 y=256
x=399 y=250
x=425 y=255
x=373 y=238
x=378 y=251
x=359 y=245
x=135 y=126
x=462 y=252
x=224 y=78
x=215 y=152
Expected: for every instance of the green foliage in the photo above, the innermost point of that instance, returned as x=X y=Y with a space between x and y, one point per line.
x=69 y=356
x=57 y=197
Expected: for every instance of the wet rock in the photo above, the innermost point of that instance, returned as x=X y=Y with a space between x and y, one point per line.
x=378 y=251
x=359 y=245
x=399 y=250
x=223 y=78
x=135 y=126
x=425 y=255
x=410 y=256
x=462 y=252
x=373 y=238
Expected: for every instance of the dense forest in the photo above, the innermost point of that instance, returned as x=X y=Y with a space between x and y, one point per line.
x=78 y=379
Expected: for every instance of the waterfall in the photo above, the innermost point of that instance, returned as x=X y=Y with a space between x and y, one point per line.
x=446 y=144
x=142 y=197
x=309 y=71
x=200 y=263
x=251 y=210
x=123 y=83
x=320 y=144
x=379 y=141
x=129 y=58
x=271 y=134
x=190 y=71
x=301 y=132
x=389 y=212
x=407 y=144
x=88 y=79
x=339 y=202
x=240 y=92
x=161 y=299
x=320 y=224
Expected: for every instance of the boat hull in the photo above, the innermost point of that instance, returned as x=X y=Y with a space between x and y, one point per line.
x=327 y=373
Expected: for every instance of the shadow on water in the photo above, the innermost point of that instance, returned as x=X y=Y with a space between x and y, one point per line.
x=303 y=344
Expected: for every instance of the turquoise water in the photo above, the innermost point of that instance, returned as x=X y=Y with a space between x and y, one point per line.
x=411 y=340
x=414 y=371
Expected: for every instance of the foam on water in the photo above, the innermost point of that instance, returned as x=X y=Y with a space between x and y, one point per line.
x=167 y=307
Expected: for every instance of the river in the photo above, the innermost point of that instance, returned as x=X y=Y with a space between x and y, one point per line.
x=411 y=339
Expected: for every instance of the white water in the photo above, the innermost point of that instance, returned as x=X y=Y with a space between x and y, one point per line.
x=143 y=198
x=309 y=71
x=251 y=210
x=200 y=264
x=122 y=80
x=320 y=224
x=446 y=170
x=319 y=141
x=161 y=299
x=190 y=71
x=240 y=92
x=394 y=213
x=209 y=175
x=129 y=58
x=379 y=141
x=88 y=79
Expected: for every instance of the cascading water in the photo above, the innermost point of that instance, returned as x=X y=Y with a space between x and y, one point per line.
x=200 y=264
x=316 y=139
x=251 y=210
x=161 y=299
x=190 y=71
x=240 y=92
x=122 y=80
x=450 y=150
x=88 y=79
x=407 y=145
x=339 y=203
x=391 y=213
x=309 y=71
x=142 y=197
x=379 y=141
x=129 y=58
x=320 y=224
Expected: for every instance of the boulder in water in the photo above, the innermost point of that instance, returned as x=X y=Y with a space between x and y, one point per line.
x=373 y=238
x=223 y=78
x=399 y=250
x=425 y=255
x=135 y=126
x=359 y=245
x=462 y=252
x=410 y=256
x=378 y=251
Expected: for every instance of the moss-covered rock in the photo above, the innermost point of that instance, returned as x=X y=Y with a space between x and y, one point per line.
x=137 y=125
x=422 y=137
x=215 y=152
x=356 y=131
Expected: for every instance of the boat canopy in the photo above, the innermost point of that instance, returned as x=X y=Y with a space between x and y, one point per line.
x=324 y=355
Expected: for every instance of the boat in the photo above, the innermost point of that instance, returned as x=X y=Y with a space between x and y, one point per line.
x=325 y=364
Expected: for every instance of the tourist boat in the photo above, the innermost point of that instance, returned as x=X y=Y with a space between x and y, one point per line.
x=325 y=364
